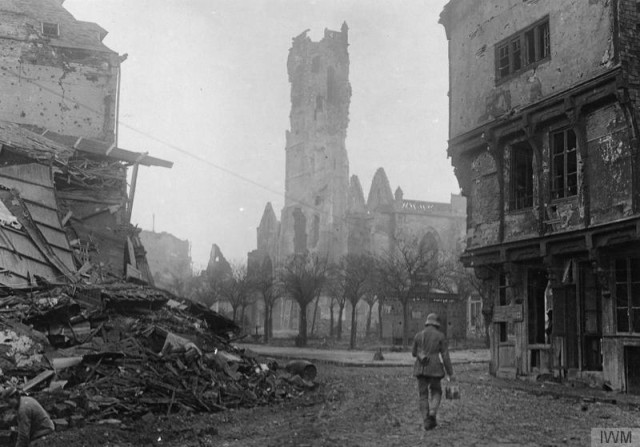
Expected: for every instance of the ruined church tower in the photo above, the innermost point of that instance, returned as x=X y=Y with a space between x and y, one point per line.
x=317 y=167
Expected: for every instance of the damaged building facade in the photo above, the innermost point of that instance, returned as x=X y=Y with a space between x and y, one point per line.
x=169 y=259
x=544 y=141
x=325 y=211
x=66 y=202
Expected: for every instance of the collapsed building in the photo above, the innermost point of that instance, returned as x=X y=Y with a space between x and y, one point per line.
x=82 y=326
x=59 y=90
x=545 y=148
x=325 y=210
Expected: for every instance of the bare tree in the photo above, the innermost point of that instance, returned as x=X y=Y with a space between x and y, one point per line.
x=407 y=271
x=357 y=272
x=303 y=277
x=264 y=282
x=371 y=299
x=236 y=290
x=332 y=317
x=336 y=289
x=206 y=288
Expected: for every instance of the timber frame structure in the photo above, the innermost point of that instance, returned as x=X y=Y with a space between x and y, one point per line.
x=563 y=264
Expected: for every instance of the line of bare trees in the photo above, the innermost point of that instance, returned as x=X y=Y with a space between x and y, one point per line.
x=403 y=274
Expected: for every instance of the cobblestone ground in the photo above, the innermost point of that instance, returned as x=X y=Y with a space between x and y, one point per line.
x=377 y=407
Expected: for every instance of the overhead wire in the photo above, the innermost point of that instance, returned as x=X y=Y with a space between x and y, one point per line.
x=175 y=147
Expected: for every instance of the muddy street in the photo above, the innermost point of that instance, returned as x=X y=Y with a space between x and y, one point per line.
x=376 y=407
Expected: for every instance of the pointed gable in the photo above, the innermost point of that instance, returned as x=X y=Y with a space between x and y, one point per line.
x=380 y=194
x=218 y=266
x=269 y=221
x=356 y=196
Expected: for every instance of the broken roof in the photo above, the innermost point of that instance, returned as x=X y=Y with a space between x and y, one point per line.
x=34 y=145
x=34 y=182
x=97 y=147
x=25 y=252
x=73 y=33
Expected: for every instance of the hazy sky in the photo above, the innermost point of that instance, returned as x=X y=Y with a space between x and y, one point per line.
x=209 y=78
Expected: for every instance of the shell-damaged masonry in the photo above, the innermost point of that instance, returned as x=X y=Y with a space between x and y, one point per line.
x=545 y=148
x=325 y=211
x=82 y=327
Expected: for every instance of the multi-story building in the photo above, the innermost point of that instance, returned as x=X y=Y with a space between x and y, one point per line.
x=59 y=89
x=544 y=100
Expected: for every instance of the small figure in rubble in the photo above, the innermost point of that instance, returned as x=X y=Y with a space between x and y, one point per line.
x=33 y=421
x=428 y=345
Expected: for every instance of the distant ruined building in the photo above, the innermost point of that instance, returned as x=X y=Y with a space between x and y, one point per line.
x=169 y=260
x=325 y=211
x=66 y=187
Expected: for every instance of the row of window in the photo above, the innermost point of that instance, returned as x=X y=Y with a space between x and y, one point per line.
x=627 y=304
x=564 y=170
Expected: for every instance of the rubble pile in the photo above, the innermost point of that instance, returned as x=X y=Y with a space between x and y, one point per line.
x=123 y=350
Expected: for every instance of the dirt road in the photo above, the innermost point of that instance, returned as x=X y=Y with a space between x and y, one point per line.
x=375 y=407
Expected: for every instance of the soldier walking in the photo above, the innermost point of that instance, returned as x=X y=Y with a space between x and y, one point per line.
x=428 y=345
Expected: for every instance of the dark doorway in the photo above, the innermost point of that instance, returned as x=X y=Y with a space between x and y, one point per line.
x=565 y=324
x=632 y=368
x=571 y=313
x=536 y=285
x=591 y=321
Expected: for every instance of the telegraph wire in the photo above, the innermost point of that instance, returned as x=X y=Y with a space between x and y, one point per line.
x=173 y=146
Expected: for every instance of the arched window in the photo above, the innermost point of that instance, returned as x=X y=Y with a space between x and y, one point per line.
x=315 y=231
x=315 y=64
x=299 y=231
x=429 y=242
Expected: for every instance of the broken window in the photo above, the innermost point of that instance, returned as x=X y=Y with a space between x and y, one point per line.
x=50 y=29
x=523 y=49
x=627 y=274
x=521 y=177
x=564 y=164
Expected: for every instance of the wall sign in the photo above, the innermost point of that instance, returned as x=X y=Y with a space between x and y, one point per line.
x=503 y=314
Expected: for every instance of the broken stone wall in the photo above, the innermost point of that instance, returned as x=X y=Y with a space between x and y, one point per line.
x=448 y=231
x=484 y=198
x=169 y=259
x=66 y=84
x=609 y=167
x=606 y=173
x=476 y=27
x=382 y=232
x=317 y=167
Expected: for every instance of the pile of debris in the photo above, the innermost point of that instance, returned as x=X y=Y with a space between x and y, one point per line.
x=124 y=350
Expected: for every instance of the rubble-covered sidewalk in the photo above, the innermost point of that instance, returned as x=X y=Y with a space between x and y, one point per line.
x=123 y=351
